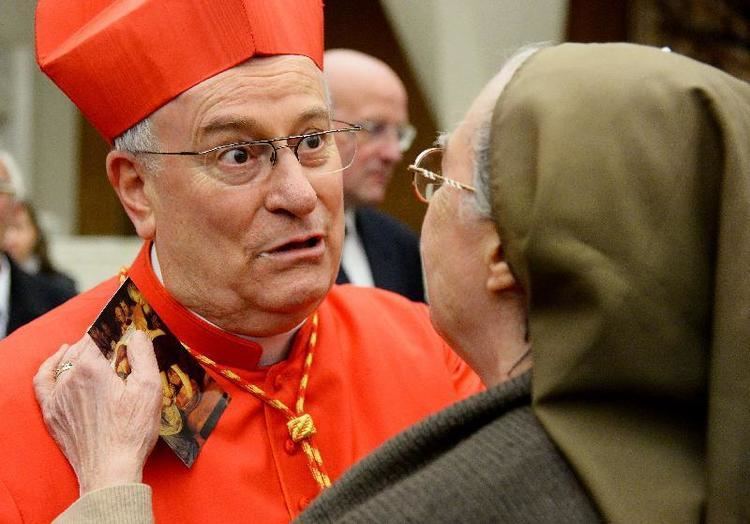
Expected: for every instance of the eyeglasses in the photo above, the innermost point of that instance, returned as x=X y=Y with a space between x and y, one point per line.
x=404 y=133
x=427 y=178
x=321 y=152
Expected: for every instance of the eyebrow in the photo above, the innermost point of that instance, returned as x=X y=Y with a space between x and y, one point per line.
x=223 y=125
x=250 y=125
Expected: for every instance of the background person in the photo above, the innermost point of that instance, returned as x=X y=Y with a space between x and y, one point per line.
x=23 y=296
x=618 y=179
x=226 y=162
x=26 y=243
x=378 y=250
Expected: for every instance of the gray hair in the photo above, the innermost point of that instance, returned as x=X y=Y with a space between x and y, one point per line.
x=140 y=137
x=15 y=176
x=482 y=160
x=481 y=144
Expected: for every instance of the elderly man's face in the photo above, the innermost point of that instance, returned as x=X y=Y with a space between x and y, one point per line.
x=377 y=97
x=258 y=257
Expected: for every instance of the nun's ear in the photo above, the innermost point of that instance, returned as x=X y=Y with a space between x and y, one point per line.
x=499 y=276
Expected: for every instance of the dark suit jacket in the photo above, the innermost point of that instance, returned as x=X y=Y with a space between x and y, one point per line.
x=392 y=250
x=31 y=296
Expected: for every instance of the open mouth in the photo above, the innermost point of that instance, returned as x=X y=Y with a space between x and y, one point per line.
x=291 y=246
x=307 y=245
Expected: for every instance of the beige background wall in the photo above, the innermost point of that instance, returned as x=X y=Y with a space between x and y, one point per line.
x=455 y=47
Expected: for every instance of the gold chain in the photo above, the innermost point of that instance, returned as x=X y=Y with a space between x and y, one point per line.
x=300 y=424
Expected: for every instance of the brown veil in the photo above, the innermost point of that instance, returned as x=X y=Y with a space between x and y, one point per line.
x=621 y=188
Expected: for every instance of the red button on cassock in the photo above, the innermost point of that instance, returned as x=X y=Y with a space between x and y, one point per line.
x=304 y=502
x=290 y=446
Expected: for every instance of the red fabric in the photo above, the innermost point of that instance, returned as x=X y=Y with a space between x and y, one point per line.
x=378 y=368
x=120 y=60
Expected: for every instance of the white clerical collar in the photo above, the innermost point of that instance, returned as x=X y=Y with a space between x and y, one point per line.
x=4 y=294
x=353 y=255
x=275 y=348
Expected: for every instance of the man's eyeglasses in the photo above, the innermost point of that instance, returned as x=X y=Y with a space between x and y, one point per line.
x=321 y=152
x=428 y=179
x=404 y=133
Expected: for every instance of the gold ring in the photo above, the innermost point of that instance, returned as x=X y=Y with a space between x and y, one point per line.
x=65 y=366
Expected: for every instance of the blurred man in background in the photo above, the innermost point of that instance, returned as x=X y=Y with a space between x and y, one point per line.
x=378 y=250
x=23 y=297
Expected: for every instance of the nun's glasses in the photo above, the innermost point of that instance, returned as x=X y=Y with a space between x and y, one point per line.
x=428 y=176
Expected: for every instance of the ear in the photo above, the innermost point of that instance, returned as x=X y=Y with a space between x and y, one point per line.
x=499 y=276
x=128 y=178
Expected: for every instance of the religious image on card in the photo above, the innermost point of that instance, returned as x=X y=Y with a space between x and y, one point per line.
x=192 y=401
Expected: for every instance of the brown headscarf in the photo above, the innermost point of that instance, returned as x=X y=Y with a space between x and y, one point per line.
x=621 y=188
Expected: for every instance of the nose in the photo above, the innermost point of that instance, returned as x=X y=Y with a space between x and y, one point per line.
x=390 y=150
x=291 y=190
x=276 y=149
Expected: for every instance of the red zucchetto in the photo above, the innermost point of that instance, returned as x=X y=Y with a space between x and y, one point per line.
x=120 y=60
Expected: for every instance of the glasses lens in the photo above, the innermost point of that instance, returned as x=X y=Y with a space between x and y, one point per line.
x=240 y=163
x=346 y=144
x=319 y=153
x=406 y=135
x=428 y=181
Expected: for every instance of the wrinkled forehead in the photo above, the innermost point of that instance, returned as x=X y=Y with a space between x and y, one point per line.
x=261 y=75
x=255 y=95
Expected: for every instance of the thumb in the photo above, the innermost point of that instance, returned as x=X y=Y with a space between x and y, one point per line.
x=142 y=358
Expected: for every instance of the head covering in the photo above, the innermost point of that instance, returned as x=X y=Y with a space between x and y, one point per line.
x=120 y=60
x=621 y=190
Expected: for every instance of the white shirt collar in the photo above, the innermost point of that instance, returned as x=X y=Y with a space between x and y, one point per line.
x=275 y=348
x=4 y=294
x=353 y=254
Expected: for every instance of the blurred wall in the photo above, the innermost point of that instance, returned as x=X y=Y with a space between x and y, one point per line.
x=455 y=47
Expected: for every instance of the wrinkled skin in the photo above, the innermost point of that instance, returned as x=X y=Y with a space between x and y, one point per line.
x=105 y=426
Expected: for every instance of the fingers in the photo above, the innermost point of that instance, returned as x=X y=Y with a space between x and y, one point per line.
x=74 y=350
x=142 y=358
x=44 y=380
x=87 y=351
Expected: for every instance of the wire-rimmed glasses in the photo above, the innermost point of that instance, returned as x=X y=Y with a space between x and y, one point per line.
x=320 y=152
x=405 y=133
x=428 y=179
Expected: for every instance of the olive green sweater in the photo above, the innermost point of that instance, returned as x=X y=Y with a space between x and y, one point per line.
x=486 y=459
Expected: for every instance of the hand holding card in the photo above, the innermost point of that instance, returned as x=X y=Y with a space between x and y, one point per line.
x=192 y=401
x=105 y=427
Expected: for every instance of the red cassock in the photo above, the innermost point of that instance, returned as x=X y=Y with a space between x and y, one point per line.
x=378 y=367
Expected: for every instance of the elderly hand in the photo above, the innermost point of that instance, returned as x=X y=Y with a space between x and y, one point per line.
x=105 y=426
